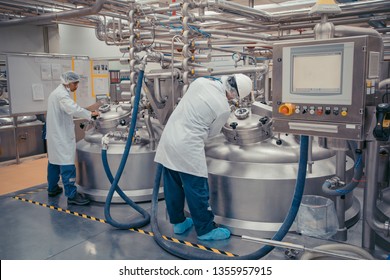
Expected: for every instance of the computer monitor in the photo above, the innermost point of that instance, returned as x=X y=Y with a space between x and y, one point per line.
x=318 y=74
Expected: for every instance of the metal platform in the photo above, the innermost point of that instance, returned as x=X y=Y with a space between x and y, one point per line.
x=37 y=227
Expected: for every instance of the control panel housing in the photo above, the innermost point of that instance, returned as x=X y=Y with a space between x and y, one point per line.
x=322 y=87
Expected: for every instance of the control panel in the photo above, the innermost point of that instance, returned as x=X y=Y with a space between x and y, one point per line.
x=322 y=87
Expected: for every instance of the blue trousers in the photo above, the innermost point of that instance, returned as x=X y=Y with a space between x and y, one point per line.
x=178 y=187
x=68 y=176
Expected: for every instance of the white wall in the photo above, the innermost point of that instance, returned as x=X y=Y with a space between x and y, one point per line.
x=82 y=41
x=63 y=39
x=26 y=38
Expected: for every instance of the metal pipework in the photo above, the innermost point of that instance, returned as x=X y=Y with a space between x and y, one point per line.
x=289 y=245
x=94 y=9
x=262 y=69
x=344 y=31
x=239 y=9
x=341 y=234
x=214 y=18
x=238 y=34
x=370 y=222
x=242 y=39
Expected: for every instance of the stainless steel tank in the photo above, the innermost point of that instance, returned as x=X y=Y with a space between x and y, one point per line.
x=138 y=176
x=252 y=174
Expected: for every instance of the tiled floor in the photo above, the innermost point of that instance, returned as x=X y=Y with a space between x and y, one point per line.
x=28 y=173
x=34 y=226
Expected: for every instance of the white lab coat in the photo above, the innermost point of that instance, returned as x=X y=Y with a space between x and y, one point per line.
x=60 y=133
x=200 y=114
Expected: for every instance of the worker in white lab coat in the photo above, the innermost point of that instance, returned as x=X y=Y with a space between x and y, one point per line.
x=61 y=138
x=200 y=114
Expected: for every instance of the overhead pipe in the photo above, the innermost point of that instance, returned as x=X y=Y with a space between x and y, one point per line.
x=259 y=69
x=234 y=8
x=238 y=34
x=46 y=18
x=294 y=15
x=347 y=9
x=345 y=31
x=228 y=20
x=252 y=40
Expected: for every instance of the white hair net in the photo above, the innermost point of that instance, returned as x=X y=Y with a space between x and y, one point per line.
x=69 y=77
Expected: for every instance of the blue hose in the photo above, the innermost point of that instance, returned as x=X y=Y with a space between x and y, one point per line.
x=140 y=222
x=358 y=171
x=188 y=253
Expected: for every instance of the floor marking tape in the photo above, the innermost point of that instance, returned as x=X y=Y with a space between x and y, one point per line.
x=175 y=240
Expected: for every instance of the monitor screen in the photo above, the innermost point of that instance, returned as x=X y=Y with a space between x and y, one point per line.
x=317 y=73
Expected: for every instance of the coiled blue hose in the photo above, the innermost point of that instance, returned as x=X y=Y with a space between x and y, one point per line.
x=186 y=252
x=140 y=222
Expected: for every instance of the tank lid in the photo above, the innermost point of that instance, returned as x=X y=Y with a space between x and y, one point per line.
x=112 y=112
x=26 y=119
x=243 y=127
x=4 y=121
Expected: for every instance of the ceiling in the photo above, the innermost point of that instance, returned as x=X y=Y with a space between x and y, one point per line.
x=88 y=12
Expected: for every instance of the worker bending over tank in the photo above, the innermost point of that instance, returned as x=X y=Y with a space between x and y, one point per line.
x=61 y=138
x=200 y=114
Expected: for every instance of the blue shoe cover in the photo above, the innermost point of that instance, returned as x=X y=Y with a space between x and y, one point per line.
x=182 y=227
x=216 y=234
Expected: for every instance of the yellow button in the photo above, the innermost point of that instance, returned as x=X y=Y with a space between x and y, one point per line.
x=286 y=109
x=344 y=113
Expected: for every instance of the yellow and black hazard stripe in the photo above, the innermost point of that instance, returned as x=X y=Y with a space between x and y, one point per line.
x=187 y=243
x=59 y=209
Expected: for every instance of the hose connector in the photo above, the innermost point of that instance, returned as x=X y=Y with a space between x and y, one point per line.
x=335 y=183
x=105 y=141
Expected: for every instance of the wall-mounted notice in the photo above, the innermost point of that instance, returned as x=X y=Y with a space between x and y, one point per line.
x=100 y=78
x=38 y=92
x=46 y=74
x=56 y=71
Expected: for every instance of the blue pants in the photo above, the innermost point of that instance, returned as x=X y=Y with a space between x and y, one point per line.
x=179 y=186
x=68 y=176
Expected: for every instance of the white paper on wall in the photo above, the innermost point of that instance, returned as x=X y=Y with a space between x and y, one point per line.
x=37 y=91
x=46 y=74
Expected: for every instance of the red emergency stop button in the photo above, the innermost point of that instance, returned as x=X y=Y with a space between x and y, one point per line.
x=286 y=109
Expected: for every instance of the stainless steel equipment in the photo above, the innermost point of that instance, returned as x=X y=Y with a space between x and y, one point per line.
x=252 y=174
x=22 y=139
x=138 y=176
x=322 y=87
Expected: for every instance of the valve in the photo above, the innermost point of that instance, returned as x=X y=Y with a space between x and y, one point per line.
x=105 y=108
x=233 y=125
x=263 y=120
x=83 y=124
x=382 y=129
x=122 y=122
x=241 y=113
x=335 y=183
